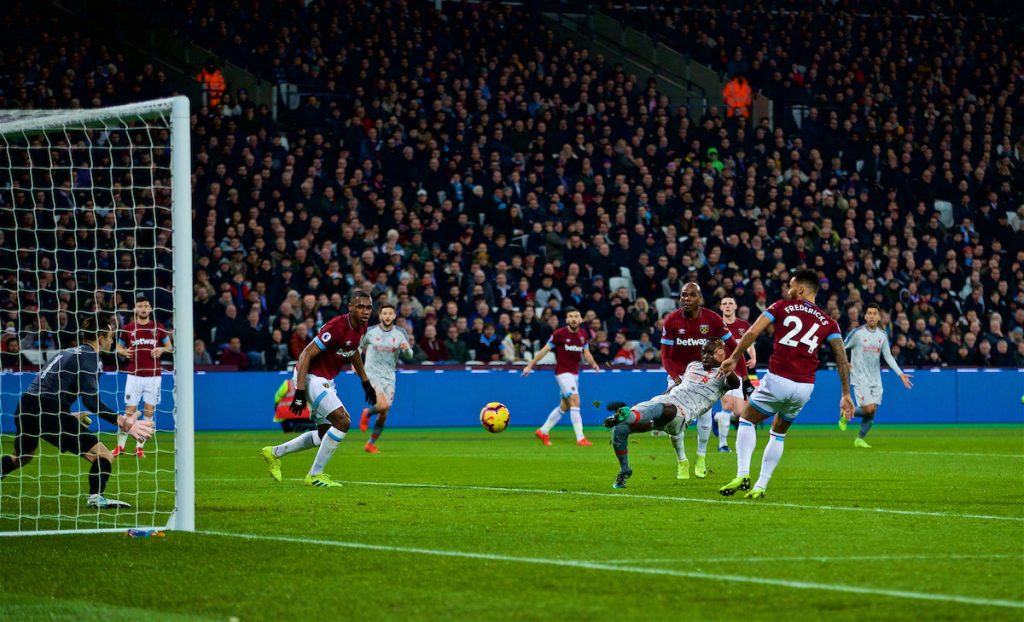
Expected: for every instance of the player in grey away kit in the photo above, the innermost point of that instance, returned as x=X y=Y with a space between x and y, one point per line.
x=383 y=345
x=865 y=343
x=699 y=387
x=44 y=411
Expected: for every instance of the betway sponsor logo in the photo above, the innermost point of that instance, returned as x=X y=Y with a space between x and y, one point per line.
x=145 y=342
x=569 y=348
x=690 y=341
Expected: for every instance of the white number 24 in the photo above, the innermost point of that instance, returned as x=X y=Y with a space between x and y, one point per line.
x=808 y=338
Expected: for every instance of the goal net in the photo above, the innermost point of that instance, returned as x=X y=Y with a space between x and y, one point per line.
x=96 y=219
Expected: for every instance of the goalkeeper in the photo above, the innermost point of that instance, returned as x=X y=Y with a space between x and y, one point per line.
x=44 y=411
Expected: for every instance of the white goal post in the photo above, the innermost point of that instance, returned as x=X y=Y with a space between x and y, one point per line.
x=96 y=217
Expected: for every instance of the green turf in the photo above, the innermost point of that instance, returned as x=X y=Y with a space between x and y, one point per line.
x=951 y=546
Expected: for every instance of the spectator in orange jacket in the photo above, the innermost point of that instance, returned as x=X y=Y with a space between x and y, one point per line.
x=738 y=97
x=213 y=83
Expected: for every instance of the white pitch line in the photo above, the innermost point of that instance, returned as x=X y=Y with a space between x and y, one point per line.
x=810 y=558
x=584 y=493
x=951 y=453
x=589 y=565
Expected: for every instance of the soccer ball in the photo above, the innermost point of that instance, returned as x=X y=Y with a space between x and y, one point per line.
x=494 y=417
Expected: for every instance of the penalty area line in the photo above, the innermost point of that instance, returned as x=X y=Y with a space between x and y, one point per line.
x=601 y=566
x=586 y=493
x=716 y=501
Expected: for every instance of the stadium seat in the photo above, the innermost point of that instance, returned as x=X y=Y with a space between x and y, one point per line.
x=665 y=306
x=616 y=282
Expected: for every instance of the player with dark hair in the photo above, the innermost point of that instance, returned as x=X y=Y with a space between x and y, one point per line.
x=735 y=399
x=143 y=341
x=865 y=344
x=382 y=346
x=569 y=343
x=44 y=411
x=699 y=387
x=800 y=326
x=683 y=336
x=319 y=363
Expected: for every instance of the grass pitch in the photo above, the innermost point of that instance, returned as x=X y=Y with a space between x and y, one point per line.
x=464 y=525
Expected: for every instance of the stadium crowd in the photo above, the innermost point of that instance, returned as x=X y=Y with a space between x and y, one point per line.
x=483 y=176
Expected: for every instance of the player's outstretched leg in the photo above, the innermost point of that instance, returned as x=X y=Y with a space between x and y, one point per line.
x=620 y=443
x=272 y=455
x=273 y=462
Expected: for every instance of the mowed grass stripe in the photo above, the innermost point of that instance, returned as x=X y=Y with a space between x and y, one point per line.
x=627 y=495
x=588 y=565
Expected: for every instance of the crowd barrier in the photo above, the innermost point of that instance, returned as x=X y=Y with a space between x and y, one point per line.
x=442 y=398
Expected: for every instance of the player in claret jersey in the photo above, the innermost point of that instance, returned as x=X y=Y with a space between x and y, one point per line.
x=569 y=343
x=800 y=327
x=322 y=360
x=685 y=332
x=734 y=400
x=143 y=341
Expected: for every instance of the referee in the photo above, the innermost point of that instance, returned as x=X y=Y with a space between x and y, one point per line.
x=44 y=411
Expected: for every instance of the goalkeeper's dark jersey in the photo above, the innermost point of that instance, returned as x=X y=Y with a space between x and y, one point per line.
x=72 y=374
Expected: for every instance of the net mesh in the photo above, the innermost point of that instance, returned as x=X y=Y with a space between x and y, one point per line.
x=85 y=227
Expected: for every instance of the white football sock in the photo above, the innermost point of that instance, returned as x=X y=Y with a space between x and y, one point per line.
x=553 y=418
x=677 y=444
x=139 y=444
x=122 y=438
x=703 y=433
x=723 y=419
x=772 y=455
x=577 y=422
x=328 y=444
x=746 y=440
x=305 y=440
